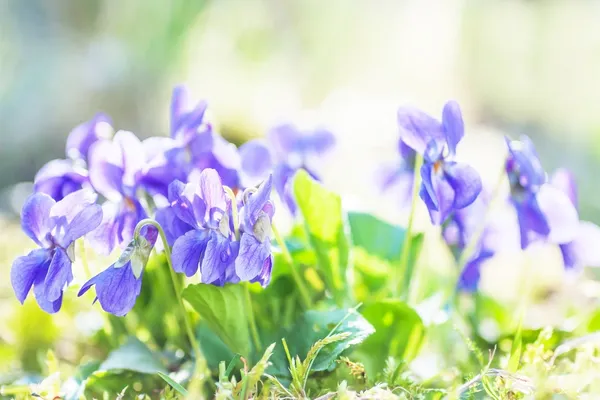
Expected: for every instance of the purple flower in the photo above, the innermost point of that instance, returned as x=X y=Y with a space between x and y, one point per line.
x=460 y=230
x=400 y=177
x=83 y=136
x=167 y=216
x=54 y=226
x=447 y=185
x=468 y=280
x=58 y=178
x=583 y=250
x=255 y=261
x=115 y=172
x=285 y=150
x=209 y=245
x=544 y=212
x=192 y=147
x=118 y=286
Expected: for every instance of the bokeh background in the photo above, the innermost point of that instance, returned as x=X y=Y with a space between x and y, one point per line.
x=515 y=66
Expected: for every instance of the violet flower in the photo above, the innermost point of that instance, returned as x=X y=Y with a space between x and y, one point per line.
x=255 y=260
x=459 y=231
x=58 y=178
x=193 y=145
x=210 y=245
x=118 y=286
x=544 y=212
x=285 y=150
x=583 y=250
x=447 y=185
x=115 y=172
x=54 y=226
x=400 y=177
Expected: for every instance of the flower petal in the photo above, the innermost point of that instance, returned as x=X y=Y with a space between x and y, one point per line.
x=84 y=135
x=264 y=276
x=179 y=104
x=256 y=202
x=584 y=251
x=106 y=169
x=86 y=221
x=251 y=258
x=212 y=190
x=116 y=289
x=69 y=207
x=133 y=156
x=187 y=204
x=532 y=221
x=188 y=251
x=417 y=128
x=104 y=238
x=470 y=275
x=171 y=224
x=217 y=257
x=256 y=161
x=465 y=181
x=58 y=178
x=284 y=139
x=59 y=275
x=453 y=124
x=564 y=180
x=427 y=192
x=25 y=271
x=319 y=141
x=35 y=216
x=49 y=306
x=560 y=213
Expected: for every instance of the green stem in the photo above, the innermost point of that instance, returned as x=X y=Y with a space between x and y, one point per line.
x=304 y=294
x=406 y=268
x=253 y=328
x=201 y=367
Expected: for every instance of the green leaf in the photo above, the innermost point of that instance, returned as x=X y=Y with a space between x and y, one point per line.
x=180 y=389
x=225 y=311
x=325 y=226
x=213 y=348
x=399 y=333
x=133 y=356
x=377 y=237
x=314 y=326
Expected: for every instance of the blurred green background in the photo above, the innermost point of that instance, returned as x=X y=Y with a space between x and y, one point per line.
x=520 y=66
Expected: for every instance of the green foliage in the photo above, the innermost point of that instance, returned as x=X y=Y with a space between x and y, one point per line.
x=327 y=232
x=133 y=356
x=399 y=333
x=224 y=310
x=315 y=326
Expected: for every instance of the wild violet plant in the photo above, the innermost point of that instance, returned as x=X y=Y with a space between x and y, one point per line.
x=212 y=206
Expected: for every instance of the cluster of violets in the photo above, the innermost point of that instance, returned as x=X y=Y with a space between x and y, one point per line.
x=213 y=201
x=546 y=208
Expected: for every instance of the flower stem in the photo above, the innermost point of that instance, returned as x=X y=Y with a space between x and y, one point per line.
x=304 y=294
x=234 y=211
x=201 y=367
x=253 y=328
x=406 y=268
